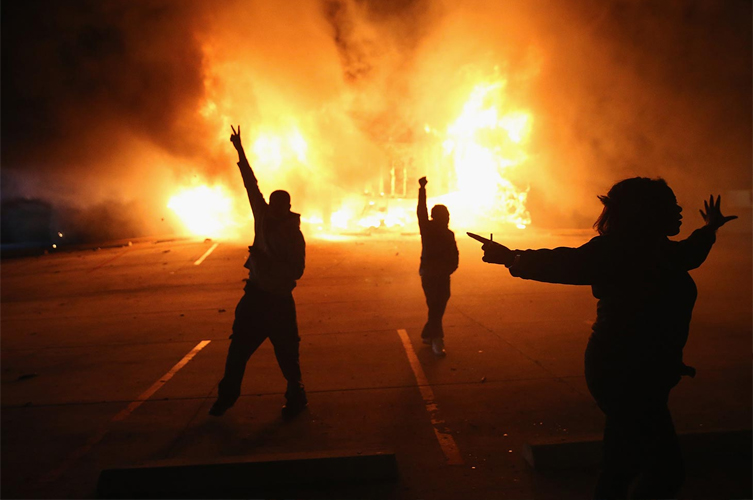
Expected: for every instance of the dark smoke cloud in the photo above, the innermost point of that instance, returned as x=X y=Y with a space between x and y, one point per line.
x=71 y=69
x=88 y=88
x=650 y=88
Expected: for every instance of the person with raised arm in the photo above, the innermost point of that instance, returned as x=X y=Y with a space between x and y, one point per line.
x=645 y=298
x=439 y=259
x=267 y=309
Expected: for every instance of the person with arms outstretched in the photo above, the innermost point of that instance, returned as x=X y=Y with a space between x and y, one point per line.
x=439 y=259
x=267 y=309
x=645 y=298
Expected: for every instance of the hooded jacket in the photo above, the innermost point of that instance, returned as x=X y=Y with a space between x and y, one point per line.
x=439 y=251
x=278 y=255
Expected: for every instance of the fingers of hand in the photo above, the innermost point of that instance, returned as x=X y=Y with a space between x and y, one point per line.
x=233 y=129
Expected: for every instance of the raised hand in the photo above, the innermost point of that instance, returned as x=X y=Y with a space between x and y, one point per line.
x=422 y=182
x=494 y=253
x=235 y=138
x=713 y=214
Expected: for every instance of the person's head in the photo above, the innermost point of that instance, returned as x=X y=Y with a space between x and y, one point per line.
x=440 y=215
x=279 y=203
x=640 y=207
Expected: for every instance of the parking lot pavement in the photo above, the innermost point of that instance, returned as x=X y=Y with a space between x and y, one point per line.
x=95 y=372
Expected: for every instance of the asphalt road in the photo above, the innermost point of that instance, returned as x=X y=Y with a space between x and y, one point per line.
x=91 y=379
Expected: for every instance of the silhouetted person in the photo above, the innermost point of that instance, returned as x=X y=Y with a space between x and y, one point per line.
x=645 y=300
x=267 y=309
x=439 y=259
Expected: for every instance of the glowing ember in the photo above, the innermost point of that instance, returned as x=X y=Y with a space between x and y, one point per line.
x=205 y=211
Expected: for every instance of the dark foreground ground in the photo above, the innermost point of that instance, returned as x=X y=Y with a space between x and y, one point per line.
x=87 y=333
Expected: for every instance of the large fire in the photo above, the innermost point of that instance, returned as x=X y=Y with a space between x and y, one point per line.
x=205 y=211
x=466 y=160
x=483 y=143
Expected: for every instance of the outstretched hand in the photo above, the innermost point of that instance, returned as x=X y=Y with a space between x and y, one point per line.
x=713 y=214
x=422 y=182
x=494 y=253
x=235 y=138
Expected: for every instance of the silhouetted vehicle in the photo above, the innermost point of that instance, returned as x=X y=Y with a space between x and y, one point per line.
x=267 y=309
x=439 y=259
x=645 y=300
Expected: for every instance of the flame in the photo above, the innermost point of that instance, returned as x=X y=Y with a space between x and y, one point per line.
x=205 y=211
x=482 y=144
x=275 y=151
x=321 y=153
x=478 y=149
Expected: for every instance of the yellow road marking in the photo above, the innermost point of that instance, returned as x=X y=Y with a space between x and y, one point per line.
x=206 y=254
x=102 y=431
x=446 y=441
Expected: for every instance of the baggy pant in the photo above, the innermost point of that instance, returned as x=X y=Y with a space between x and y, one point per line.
x=437 y=292
x=259 y=315
x=642 y=454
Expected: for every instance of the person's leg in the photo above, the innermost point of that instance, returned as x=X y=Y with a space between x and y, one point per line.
x=609 y=384
x=437 y=292
x=621 y=462
x=429 y=330
x=641 y=449
x=441 y=297
x=238 y=353
x=286 y=342
x=247 y=336
x=663 y=470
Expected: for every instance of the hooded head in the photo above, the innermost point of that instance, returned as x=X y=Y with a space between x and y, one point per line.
x=279 y=203
x=440 y=215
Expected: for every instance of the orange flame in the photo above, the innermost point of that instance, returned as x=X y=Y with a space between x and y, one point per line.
x=205 y=211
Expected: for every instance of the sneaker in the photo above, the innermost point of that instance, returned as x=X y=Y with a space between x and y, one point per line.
x=426 y=341
x=293 y=408
x=437 y=345
x=218 y=409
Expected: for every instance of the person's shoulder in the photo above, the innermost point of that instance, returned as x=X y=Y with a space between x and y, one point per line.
x=600 y=242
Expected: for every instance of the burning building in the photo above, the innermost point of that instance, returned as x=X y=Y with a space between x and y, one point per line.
x=519 y=113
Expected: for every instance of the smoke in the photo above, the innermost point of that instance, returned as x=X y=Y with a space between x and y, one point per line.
x=644 y=88
x=97 y=96
x=120 y=102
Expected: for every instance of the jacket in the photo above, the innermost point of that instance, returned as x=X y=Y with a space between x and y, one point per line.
x=439 y=251
x=645 y=294
x=277 y=257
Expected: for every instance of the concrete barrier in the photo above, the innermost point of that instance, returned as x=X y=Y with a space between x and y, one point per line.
x=250 y=477
x=567 y=453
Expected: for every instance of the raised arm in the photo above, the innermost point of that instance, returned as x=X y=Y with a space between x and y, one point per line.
x=421 y=211
x=694 y=250
x=258 y=204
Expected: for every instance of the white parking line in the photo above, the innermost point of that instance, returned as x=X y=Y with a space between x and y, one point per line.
x=206 y=254
x=102 y=431
x=162 y=381
x=446 y=441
